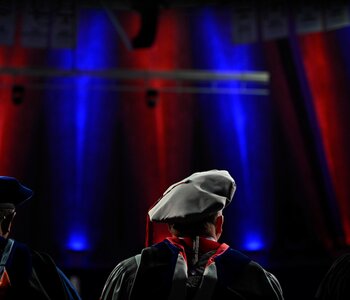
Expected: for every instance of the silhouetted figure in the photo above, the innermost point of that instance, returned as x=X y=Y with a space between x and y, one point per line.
x=24 y=272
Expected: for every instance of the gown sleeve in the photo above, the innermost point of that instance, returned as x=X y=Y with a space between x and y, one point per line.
x=49 y=280
x=275 y=285
x=68 y=286
x=119 y=283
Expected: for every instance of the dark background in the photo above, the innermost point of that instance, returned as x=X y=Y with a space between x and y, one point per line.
x=99 y=128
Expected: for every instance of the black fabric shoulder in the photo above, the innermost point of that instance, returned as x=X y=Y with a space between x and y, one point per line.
x=45 y=273
x=229 y=265
x=155 y=272
x=34 y=275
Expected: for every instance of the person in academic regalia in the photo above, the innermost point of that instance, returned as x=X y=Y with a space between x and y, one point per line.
x=24 y=272
x=191 y=263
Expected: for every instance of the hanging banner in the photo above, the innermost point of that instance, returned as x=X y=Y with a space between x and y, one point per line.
x=274 y=21
x=337 y=15
x=308 y=18
x=244 y=24
x=7 y=22
x=36 y=22
x=64 y=25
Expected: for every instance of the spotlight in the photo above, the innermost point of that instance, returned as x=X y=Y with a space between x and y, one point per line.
x=152 y=97
x=18 y=92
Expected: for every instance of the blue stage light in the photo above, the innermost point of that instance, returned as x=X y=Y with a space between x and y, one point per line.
x=78 y=118
x=77 y=242
x=253 y=243
x=238 y=132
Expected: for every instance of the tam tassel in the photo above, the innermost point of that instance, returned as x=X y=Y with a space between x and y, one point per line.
x=149 y=232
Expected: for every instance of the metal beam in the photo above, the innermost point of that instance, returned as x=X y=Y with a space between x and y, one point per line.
x=182 y=75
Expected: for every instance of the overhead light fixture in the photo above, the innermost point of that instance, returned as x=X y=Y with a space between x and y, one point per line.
x=18 y=92
x=152 y=97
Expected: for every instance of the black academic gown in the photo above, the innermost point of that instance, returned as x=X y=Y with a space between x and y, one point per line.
x=162 y=272
x=34 y=275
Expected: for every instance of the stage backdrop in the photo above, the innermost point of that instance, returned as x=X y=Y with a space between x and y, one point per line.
x=98 y=151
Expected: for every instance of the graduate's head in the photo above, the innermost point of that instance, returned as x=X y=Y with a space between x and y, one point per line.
x=194 y=205
x=210 y=226
x=12 y=194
